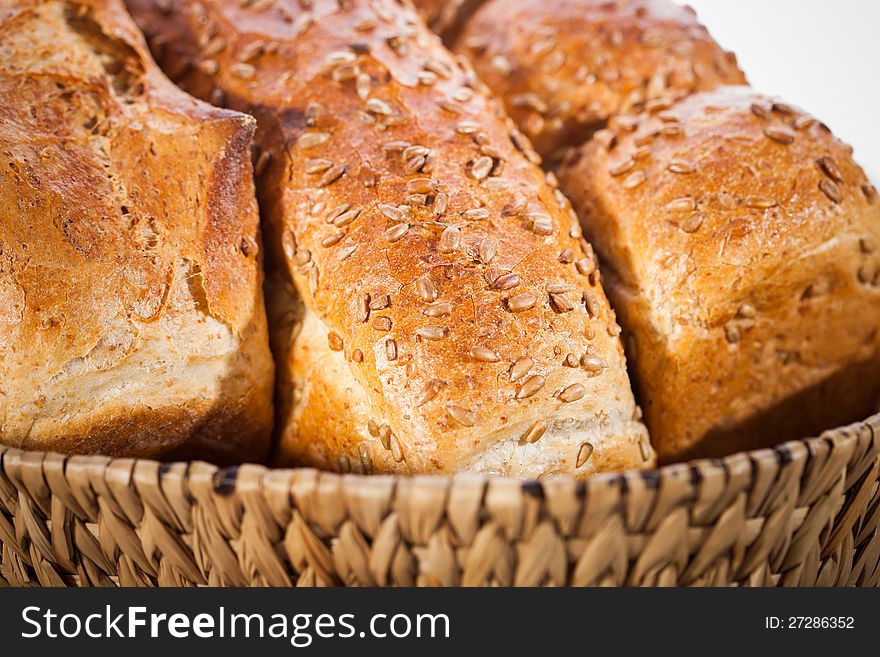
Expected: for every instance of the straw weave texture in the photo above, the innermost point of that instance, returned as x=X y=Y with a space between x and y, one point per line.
x=804 y=513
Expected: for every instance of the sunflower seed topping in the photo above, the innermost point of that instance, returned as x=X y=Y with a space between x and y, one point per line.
x=585 y=451
x=521 y=302
x=396 y=232
x=460 y=414
x=390 y=349
x=430 y=391
x=312 y=139
x=520 y=368
x=530 y=386
x=450 y=239
x=829 y=168
x=572 y=393
x=381 y=323
x=534 y=433
x=685 y=204
x=425 y=288
x=681 y=166
x=506 y=281
x=831 y=190
x=483 y=354
x=481 y=167
x=432 y=332
x=438 y=309
x=780 y=134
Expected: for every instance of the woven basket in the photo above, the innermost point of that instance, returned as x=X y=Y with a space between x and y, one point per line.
x=804 y=513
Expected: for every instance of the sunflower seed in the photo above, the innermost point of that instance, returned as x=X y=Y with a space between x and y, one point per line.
x=390 y=349
x=592 y=364
x=476 y=214
x=332 y=175
x=430 y=391
x=467 y=127
x=592 y=304
x=376 y=106
x=566 y=256
x=829 y=168
x=317 y=165
x=585 y=266
x=335 y=341
x=572 y=393
x=870 y=193
x=242 y=71
x=783 y=108
x=460 y=414
x=311 y=139
x=684 y=204
x=450 y=239
x=570 y=360
x=505 y=281
x=438 y=309
x=521 y=302
x=585 y=451
x=484 y=354
x=681 y=166
x=831 y=190
x=760 y=202
x=302 y=257
x=634 y=179
x=530 y=386
x=385 y=436
x=346 y=217
x=534 y=433
x=432 y=332
x=330 y=240
x=561 y=303
x=761 y=112
x=440 y=202
x=381 y=323
x=487 y=249
x=373 y=428
x=396 y=449
x=778 y=133
x=392 y=212
x=481 y=167
x=346 y=252
x=425 y=288
x=620 y=168
x=520 y=368
x=692 y=224
x=396 y=232
x=363 y=307
x=380 y=302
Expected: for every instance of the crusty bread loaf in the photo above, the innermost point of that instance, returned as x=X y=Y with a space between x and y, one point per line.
x=131 y=310
x=739 y=242
x=564 y=66
x=434 y=308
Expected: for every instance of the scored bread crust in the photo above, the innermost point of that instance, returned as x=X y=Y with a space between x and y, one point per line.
x=739 y=243
x=564 y=66
x=395 y=194
x=131 y=310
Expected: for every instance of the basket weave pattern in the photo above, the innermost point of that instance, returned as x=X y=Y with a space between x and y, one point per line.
x=805 y=513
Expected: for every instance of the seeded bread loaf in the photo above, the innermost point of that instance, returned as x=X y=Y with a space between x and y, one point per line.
x=564 y=66
x=434 y=308
x=739 y=243
x=131 y=311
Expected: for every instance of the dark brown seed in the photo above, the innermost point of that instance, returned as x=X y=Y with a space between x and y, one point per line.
x=585 y=451
x=829 y=168
x=831 y=190
x=561 y=303
x=530 y=386
x=484 y=354
x=783 y=108
x=521 y=302
x=439 y=309
x=335 y=341
x=460 y=414
x=381 y=323
x=425 y=288
x=870 y=193
x=572 y=393
x=534 y=433
x=520 y=368
x=761 y=112
x=779 y=133
x=430 y=391
x=506 y=281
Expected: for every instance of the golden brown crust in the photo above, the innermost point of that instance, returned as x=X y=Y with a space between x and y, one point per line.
x=395 y=198
x=446 y=17
x=564 y=66
x=131 y=311
x=739 y=242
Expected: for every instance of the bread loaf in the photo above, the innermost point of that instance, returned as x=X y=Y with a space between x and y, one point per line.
x=564 y=66
x=739 y=242
x=434 y=307
x=131 y=311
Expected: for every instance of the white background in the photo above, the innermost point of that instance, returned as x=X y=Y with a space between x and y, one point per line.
x=823 y=55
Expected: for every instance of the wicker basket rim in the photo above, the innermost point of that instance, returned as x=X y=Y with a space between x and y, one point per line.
x=225 y=477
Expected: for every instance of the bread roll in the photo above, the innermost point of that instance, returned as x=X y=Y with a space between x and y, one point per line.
x=739 y=242
x=428 y=303
x=564 y=66
x=131 y=311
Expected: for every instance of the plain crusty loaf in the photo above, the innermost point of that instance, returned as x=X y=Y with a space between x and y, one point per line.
x=564 y=66
x=434 y=308
x=739 y=242
x=131 y=311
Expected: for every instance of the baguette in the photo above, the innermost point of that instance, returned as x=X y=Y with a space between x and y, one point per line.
x=739 y=242
x=131 y=310
x=428 y=280
x=563 y=67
